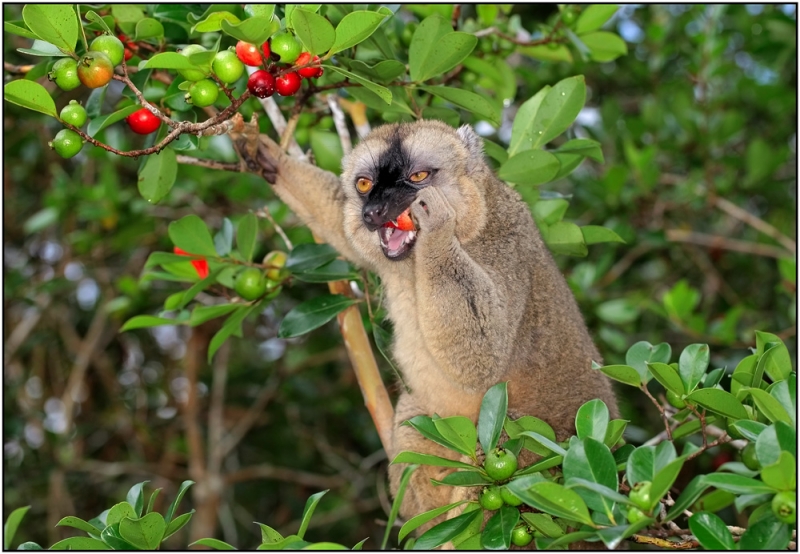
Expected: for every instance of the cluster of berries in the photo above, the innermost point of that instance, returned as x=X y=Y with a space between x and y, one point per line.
x=282 y=48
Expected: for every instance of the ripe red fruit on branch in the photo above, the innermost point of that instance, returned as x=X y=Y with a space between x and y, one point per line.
x=308 y=72
x=261 y=84
x=248 y=53
x=265 y=49
x=288 y=84
x=201 y=266
x=143 y=122
x=95 y=69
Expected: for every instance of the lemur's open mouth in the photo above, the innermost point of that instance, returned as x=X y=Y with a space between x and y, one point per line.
x=398 y=237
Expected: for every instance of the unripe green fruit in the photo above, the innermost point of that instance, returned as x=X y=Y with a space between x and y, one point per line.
x=509 y=497
x=784 y=506
x=73 y=113
x=67 y=143
x=203 y=93
x=521 y=536
x=749 y=458
x=635 y=514
x=640 y=495
x=250 y=284
x=111 y=46
x=227 y=66
x=192 y=74
x=733 y=432
x=65 y=74
x=568 y=17
x=491 y=499
x=500 y=464
x=675 y=400
x=285 y=46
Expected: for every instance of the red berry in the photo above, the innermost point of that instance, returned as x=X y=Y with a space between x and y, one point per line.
x=248 y=53
x=288 y=84
x=261 y=84
x=308 y=72
x=143 y=122
x=200 y=266
x=128 y=54
x=404 y=222
x=265 y=49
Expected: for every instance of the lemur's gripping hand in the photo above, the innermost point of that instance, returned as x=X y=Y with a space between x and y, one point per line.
x=436 y=219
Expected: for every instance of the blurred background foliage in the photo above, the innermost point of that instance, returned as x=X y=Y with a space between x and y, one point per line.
x=698 y=128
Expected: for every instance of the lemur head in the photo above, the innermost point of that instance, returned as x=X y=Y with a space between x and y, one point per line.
x=386 y=171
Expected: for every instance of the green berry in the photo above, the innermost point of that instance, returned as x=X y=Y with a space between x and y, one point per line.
x=784 y=506
x=640 y=495
x=73 y=113
x=192 y=74
x=250 y=284
x=749 y=457
x=203 y=93
x=521 y=536
x=509 y=497
x=227 y=66
x=733 y=432
x=491 y=499
x=568 y=16
x=635 y=514
x=500 y=464
x=111 y=46
x=675 y=400
x=285 y=46
x=67 y=143
x=65 y=74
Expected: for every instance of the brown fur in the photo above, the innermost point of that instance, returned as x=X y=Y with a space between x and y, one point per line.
x=479 y=300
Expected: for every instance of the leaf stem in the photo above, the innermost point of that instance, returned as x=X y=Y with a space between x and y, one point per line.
x=80 y=26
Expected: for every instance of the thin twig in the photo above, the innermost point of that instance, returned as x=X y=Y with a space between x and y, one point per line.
x=715 y=241
x=264 y=212
x=660 y=410
x=755 y=222
x=209 y=164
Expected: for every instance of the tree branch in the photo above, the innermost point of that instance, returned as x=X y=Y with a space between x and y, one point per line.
x=715 y=241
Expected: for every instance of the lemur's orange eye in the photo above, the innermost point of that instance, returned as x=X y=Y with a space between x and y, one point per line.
x=419 y=176
x=364 y=185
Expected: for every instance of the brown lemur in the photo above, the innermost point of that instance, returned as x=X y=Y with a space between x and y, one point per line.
x=474 y=294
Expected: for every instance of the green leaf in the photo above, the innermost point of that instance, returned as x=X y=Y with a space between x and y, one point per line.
x=558 y=110
x=118 y=512
x=436 y=49
x=641 y=465
x=514 y=428
x=292 y=542
x=324 y=545
x=531 y=167
x=492 y=416
x=80 y=543
x=201 y=314
x=782 y=474
x=148 y=28
x=592 y=460
x=768 y=406
x=543 y=523
x=566 y=238
x=719 y=401
x=564 y=540
x=446 y=530
x=736 y=484
x=497 y=533
x=174 y=506
x=110 y=536
x=308 y=511
x=692 y=365
x=247 y=235
x=428 y=459
x=783 y=393
x=667 y=376
x=468 y=100
x=144 y=533
x=254 y=30
x=522 y=136
x=766 y=534
x=602 y=490
x=744 y=370
x=314 y=31
x=622 y=373
x=552 y=446
x=12 y=524
x=191 y=235
x=384 y=93
x=143 y=321
x=592 y=420
x=663 y=480
x=464 y=479
x=384 y=71
x=177 y=524
x=126 y=16
x=692 y=492
x=55 y=23
x=425 y=426
x=18 y=28
x=774 y=439
x=337 y=270
x=423 y=518
x=593 y=17
x=616 y=428
x=99 y=123
x=29 y=546
x=216 y=544
x=168 y=60
x=213 y=22
x=268 y=534
x=31 y=95
x=398 y=500
x=641 y=353
x=305 y=257
x=312 y=314
x=135 y=497
x=541 y=465
x=553 y=499
x=158 y=175
x=42 y=48
x=594 y=234
x=460 y=432
x=71 y=521
x=232 y=326
x=355 y=28
x=605 y=46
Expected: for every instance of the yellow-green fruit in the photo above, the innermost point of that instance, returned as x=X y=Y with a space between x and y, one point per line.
x=65 y=74
x=635 y=514
x=67 y=143
x=640 y=495
x=509 y=497
x=109 y=45
x=521 y=536
x=250 y=284
x=192 y=74
x=784 y=506
x=500 y=464
x=490 y=498
x=749 y=457
x=733 y=432
x=275 y=261
x=73 y=113
x=675 y=400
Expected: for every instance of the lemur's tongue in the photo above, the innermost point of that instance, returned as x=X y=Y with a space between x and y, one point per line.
x=396 y=239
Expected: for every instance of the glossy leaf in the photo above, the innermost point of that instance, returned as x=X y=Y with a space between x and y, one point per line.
x=423 y=518
x=177 y=524
x=766 y=534
x=549 y=444
x=592 y=420
x=460 y=432
x=622 y=373
x=214 y=544
x=201 y=314
x=213 y=22
x=167 y=60
x=69 y=521
x=601 y=490
x=604 y=46
x=174 y=506
x=595 y=234
x=642 y=353
x=55 y=23
x=736 y=483
x=543 y=523
x=492 y=416
x=99 y=123
x=135 y=497
x=118 y=512
x=593 y=17
x=558 y=110
x=592 y=461
x=531 y=167
x=641 y=465
x=80 y=543
x=692 y=365
x=435 y=48
x=718 y=401
x=690 y=494
x=667 y=376
x=496 y=534
x=12 y=524
x=254 y=30
x=384 y=93
x=110 y=536
x=428 y=459
x=445 y=531
x=247 y=235
x=425 y=426
x=232 y=326
x=312 y=314
x=31 y=95
x=314 y=31
x=144 y=533
x=529 y=423
x=663 y=480
x=470 y=101
x=769 y=406
x=336 y=270
x=773 y=440
x=309 y=256
x=522 y=130
x=157 y=177
x=308 y=511
x=553 y=499
x=355 y=28
x=566 y=238
x=616 y=428
x=782 y=474
x=464 y=479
